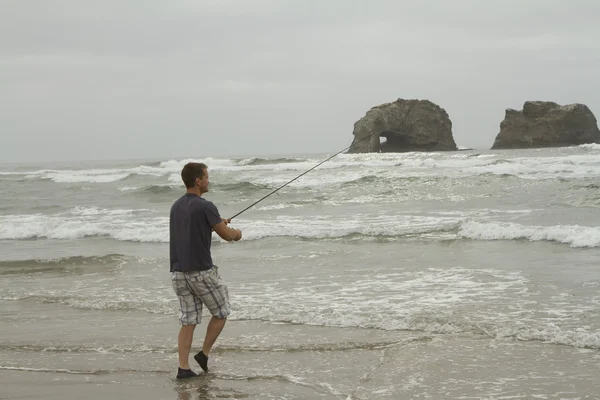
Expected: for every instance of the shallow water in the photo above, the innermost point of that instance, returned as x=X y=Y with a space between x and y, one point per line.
x=418 y=275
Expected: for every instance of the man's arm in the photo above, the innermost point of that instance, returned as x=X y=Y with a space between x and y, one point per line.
x=225 y=220
x=227 y=233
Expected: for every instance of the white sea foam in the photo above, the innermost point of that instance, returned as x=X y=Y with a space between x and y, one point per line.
x=315 y=181
x=79 y=222
x=590 y=146
x=279 y=206
x=142 y=225
x=417 y=165
x=177 y=165
x=574 y=235
x=322 y=227
x=430 y=304
x=349 y=167
x=90 y=176
x=432 y=300
x=107 y=175
x=145 y=226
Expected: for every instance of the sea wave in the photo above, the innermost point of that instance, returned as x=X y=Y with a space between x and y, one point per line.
x=80 y=222
x=143 y=225
x=174 y=190
x=244 y=187
x=66 y=264
x=573 y=235
x=268 y=161
x=153 y=189
x=402 y=313
x=94 y=175
x=450 y=325
x=397 y=165
x=589 y=146
x=134 y=225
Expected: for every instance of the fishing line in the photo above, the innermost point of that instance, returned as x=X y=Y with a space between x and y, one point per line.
x=304 y=173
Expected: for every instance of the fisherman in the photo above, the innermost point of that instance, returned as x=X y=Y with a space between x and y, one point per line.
x=195 y=278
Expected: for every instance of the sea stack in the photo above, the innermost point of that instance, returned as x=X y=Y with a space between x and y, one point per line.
x=547 y=124
x=407 y=125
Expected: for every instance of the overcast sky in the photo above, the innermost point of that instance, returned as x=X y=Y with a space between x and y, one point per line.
x=199 y=78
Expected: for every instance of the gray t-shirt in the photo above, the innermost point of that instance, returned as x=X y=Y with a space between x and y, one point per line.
x=190 y=227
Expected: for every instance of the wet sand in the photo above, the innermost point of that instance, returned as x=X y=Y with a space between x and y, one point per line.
x=131 y=355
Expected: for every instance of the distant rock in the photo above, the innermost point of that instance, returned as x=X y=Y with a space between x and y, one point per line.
x=547 y=124
x=407 y=125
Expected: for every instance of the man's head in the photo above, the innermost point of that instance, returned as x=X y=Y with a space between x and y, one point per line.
x=195 y=175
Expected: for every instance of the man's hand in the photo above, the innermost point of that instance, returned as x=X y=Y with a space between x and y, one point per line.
x=239 y=235
x=227 y=233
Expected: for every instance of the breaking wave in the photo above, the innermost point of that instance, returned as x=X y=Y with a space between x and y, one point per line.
x=573 y=235
x=145 y=226
x=268 y=161
x=397 y=165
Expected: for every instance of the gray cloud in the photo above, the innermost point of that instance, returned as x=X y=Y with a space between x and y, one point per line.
x=134 y=79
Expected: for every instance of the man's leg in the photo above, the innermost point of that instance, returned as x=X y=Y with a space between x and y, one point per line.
x=186 y=335
x=214 y=295
x=213 y=330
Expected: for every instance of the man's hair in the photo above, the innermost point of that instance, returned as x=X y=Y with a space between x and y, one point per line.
x=191 y=171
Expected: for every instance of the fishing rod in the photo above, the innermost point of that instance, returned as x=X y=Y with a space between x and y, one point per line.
x=304 y=173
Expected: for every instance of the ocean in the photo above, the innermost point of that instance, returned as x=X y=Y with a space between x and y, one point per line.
x=452 y=275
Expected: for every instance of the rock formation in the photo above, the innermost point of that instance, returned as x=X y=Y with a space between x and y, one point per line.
x=547 y=124
x=407 y=125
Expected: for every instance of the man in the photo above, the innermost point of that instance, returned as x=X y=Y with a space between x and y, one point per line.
x=194 y=277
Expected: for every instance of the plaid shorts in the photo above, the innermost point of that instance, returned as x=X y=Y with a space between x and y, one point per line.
x=197 y=288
